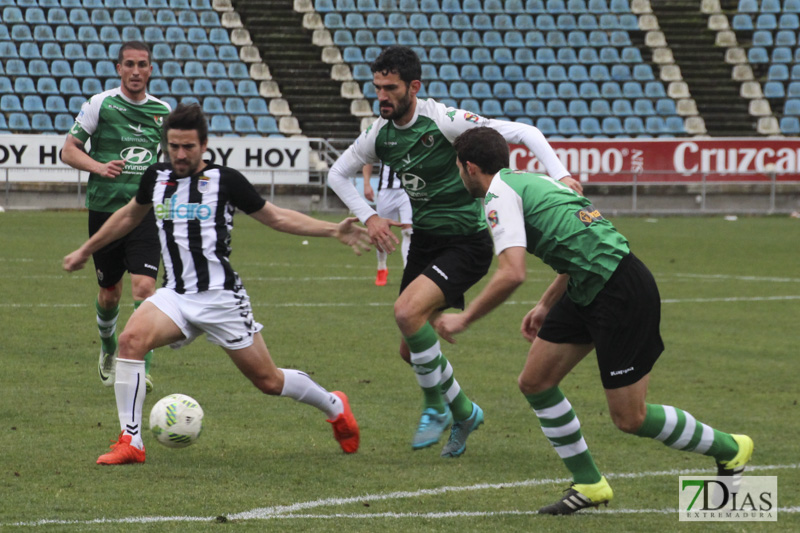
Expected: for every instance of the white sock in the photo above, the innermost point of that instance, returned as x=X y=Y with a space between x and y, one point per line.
x=299 y=386
x=406 y=243
x=129 y=388
x=381 y=260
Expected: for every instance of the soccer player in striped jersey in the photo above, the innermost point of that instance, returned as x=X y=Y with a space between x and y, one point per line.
x=451 y=248
x=392 y=203
x=603 y=298
x=123 y=126
x=194 y=203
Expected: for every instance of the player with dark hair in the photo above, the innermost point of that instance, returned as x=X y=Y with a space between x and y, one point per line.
x=124 y=127
x=603 y=298
x=451 y=248
x=194 y=203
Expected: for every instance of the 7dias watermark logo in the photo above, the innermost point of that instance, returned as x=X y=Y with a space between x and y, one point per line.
x=716 y=499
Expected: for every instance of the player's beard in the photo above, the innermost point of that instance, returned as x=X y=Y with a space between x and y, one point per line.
x=400 y=109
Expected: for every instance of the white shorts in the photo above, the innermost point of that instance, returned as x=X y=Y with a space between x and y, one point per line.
x=394 y=204
x=224 y=316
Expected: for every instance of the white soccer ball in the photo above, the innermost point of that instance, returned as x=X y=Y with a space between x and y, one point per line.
x=176 y=420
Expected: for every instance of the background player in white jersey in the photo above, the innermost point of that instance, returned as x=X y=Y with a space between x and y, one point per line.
x=603 y=299
x=125 y=128
x=194 y=205
x=392 y=203
x=451 y=248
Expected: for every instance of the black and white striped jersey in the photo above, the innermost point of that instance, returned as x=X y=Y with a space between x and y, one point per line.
x=194 y=216
x=388 y=178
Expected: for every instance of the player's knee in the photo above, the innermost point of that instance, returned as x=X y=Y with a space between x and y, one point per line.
x=404 y=314
x=132 y=345
x=532 y=384
x=629 y=421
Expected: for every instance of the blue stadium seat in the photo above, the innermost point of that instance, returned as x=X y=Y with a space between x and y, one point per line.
x=18 y=122
x=791 y=6
x=631 y=54
x=42 y=122
x=590 y=126
x=470 y=104
x=24 y=85
x=235 y=106
x=491 y=108
x=16 y=67
x=599 y=73
x=612 y=126
x=598 y=38
x=566 y=56
x=556 y=6
x=171 y=69
x=502 y=90
x=63 y=122
x=588 y=56
x=665 y=107
x=620 y=38
x=786 y=38
x=757 y=54
x=513 y=73
x=545 y=56
x=65 y=34
x=524 y=22
x=180 y=87
x=225 y=88
x=609 y=55
x=362 y=72
x=343 y=38
x=611 y=89
x=576 y=6
x=792 y=106
x=407 y=6
x=429 y=6
x=131 y=33
x=220 y=124
x=566 y=22
x=459 y=89
x=748 y=6
x=578 y=73
x=417 y=21
x=448 y=72
x=774 y=89
x=555 y=39
x=385 y=37
x=166 y=17
x=643 y=72
x=5 y=85
x=524 y=90
x=93 y=85
x=196 y=35
x=546 y=90
x=10 y=103
x=246 y=88
x=597 y=6
x=69 y=87
x=632 y=90
x=762 y=38
x=354 y=21
x=633 y=125
x=55 y=104
x=654 y=89
x=61 y=68
x=110 y=34
x=766 y=21
x=782 y=54
x=535 y=6
x=469 y=38
x=257 y=107
x=556 y=108
x=482 y=56
x=105 y=69
x=568 y=126
x=547 y=126
x=397 y=21
x=567 y=90
x=588 y=22
x=440 y=21
x=365 y=6
x=589 y=90
x=407 y=38
x=100 y=17
x=655 y=125
x=643 y=107
x=43 y=33
x=535 y=108
x=29 y=50
x=503 y=56
x=470 y=72
x=577 y=39
x=535 y=73
x=578 y=108
x=82 y=69
x=429 y=38
x=742 y=22
x=267 y=124
x=621 y=72
x=790 y=125
x=352 y=54
x=324 y=6
x=557 y=73
x=481 y=90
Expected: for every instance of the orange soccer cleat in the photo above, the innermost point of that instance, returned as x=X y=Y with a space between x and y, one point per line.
x=122 y=453
x=382 y=277
x=345 y=427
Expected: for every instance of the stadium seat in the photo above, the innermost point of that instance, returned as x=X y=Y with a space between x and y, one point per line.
x=633 y=126
x=588 y=56
x=742 y=22
x=46 y=86
x=578 y=108
x=104 y=69
x=225 y=88
x=643 y=107
x=481 y=90
x=673 y=125
x=267 y=125
x=612 y=126
x=547 y=126
x=166 y=17
x=220 y=124
x=69 y=87
x=556 y=108
x=180 y=87
x=244 y=125
x=354 y=21
x=524 y=90
x=65 y=34
x=766 y=21
x=24 y=85
x=781 y=54
x=590 y=126
x=535 y=108
x=63 y=122
x=470 y=72
x=82 y=69
x=655 y=125
x=10 y=103
x=42 y=122
x=757 y=54
x=212 y=105
x=55 y=104
x=535 y=73
x=429 y=38
x=491 y=108
x=93 y=85
x=257 y=106
x=665 y=107
x=5 y=85
x=513 y=73
x=790 y=125
x=762 y=38
x=654 y=89
x=440 y=21
x=546 y=90
x=159 y=87
x=792 y=107
x=246 y=88
x=460 y=90
x=588 y=90
x=774 y=89
x=197 y=35
x=18 y=122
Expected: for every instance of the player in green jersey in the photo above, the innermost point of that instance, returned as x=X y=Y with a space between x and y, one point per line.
x=603 y=298
x=124 y=128
x=451 y=248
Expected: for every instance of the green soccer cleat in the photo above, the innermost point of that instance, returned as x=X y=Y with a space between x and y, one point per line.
x=431 y=426
x=579 y=497
x=457 y=443
x=105 y=367
x=148 y=383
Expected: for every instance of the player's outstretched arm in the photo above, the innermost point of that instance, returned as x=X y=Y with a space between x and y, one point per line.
x=117 y=226
x=297 y=223
x=380 y=233
x=509 y=275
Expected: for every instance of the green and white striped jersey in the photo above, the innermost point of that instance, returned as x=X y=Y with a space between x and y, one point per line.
x=119 y=129
x=422 y=154
x=557 y=225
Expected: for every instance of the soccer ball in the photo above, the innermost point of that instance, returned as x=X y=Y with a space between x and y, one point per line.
x=176 y=420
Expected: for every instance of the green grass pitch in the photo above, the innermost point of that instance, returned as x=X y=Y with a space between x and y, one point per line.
x=731 y=292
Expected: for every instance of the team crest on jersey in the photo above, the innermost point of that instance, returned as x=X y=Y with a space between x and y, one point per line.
x=589 y=215
x=492 y=217
x=471 y=117
x=489 y=197
x=159 y=120
x=427 y=140
x=451 y=115
x=203 y=183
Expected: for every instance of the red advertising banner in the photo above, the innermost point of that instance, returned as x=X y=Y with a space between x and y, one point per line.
x=671 y=160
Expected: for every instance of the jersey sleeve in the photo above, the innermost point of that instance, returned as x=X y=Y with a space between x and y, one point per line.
x=503 y=208
x=87 y=119
x=241 y=192
x=144 y=195
x=360 y=153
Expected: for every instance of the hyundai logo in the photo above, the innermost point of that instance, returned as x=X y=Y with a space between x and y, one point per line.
x=136 y=155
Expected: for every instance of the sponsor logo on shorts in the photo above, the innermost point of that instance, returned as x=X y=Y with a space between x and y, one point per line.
x=441 y=273
x=151 y=267
x=100 y=275
x=622 y=372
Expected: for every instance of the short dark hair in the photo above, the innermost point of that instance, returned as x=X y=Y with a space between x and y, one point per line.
x=401 y=60
x=134 y=45
x=484 y=147
x=188 y=117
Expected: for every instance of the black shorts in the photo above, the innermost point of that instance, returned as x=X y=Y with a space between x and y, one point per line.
x=139 y=252
x=454 y=262
x=622 y=322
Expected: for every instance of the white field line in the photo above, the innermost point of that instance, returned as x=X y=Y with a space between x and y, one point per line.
x=729 y=299
x=291 y=511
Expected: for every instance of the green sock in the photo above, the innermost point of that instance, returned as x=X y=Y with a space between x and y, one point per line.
x=148 y=357
x=460 y=405
x=427 y=365
x=563 y=429
x=679 y=430
x=107 y=326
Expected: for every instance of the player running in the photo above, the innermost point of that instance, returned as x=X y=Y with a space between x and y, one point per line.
x=603 y=298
